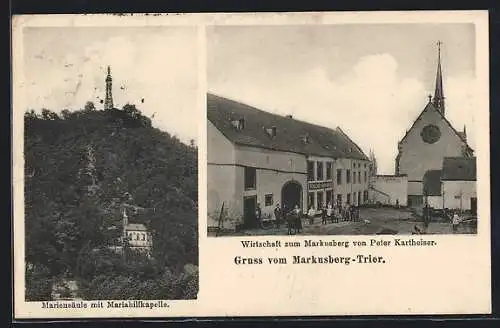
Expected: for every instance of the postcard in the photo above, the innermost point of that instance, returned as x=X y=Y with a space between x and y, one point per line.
x=271 y=164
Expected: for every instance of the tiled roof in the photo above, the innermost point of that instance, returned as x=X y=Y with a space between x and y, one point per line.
x=290 y=132
x=459 y=168
x=136 y=227
x=432 y=183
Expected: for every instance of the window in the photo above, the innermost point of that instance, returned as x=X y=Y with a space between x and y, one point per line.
x=319 y=200
x=354 y=198
x=329 y=197
x=348 y=176
x=329 y=171
x=319 y=171
x=339 y=176
x=359 y=177
x=353 y=177
x=268 y=200
x=310 y=199
x=339 y=199
x=250 y=177
x=348 y=198
x=310 y=170
x=366 y=178
x=365 y=196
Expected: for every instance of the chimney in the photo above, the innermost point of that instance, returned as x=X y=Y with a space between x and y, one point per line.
x=289 y=116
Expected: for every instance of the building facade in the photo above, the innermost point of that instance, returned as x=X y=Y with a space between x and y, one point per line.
x=453 y=187
x=258 y=158
x=427 y=142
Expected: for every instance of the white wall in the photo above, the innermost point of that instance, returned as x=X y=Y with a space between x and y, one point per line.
x=139 y=238
x=221 y=175
x=457 y=194
x=376 y=196
x=435 y=201
x=396 y=188
x=274 y=169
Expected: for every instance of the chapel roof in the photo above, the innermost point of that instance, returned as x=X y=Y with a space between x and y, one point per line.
x=290 y=132
x=135 y=227
x=459 y=168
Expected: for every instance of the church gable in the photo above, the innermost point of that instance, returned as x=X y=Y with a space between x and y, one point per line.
x=430 y=127
x=430 y=138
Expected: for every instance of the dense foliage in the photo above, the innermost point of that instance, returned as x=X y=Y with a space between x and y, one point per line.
x=80 y=168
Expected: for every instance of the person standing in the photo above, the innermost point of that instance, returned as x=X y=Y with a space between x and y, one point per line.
x=310 y=214
x=455 y=222
x=277 y=215
x=426 y=217
x=298 y=218
x=323 y=214
x=258 y=215
x=329 y=212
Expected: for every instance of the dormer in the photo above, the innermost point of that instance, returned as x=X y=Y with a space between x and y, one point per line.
x=238 y=124
x=306 y=138
x=271 y=131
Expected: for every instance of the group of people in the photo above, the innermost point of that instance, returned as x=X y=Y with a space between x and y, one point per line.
x=293 y=217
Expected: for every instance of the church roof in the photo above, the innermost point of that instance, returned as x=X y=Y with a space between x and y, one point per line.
x=428 y=107
x=432 y=182
x=290 y=133
x=135 y=227
x=459 y=168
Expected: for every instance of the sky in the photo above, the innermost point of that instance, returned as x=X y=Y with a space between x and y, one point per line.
x=66 y=67
x=371 y=80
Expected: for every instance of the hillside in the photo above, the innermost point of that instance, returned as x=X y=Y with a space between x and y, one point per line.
x=80 y=169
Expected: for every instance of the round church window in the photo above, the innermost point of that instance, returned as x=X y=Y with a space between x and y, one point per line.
x=430 y=134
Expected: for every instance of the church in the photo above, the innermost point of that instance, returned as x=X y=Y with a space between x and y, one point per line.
x=436 y=159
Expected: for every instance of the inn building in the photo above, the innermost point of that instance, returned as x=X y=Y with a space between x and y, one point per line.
x=256 y=157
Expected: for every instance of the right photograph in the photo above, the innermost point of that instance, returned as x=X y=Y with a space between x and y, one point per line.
x=358 y=129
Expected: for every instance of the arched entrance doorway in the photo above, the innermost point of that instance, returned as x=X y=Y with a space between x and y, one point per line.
x=291 y=195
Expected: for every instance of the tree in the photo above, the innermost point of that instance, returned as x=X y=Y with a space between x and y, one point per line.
x=68 y=229
x=131 y=110
x=49 y=115
x=89 y=106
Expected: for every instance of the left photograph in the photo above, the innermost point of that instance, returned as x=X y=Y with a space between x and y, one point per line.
x=110 y=163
